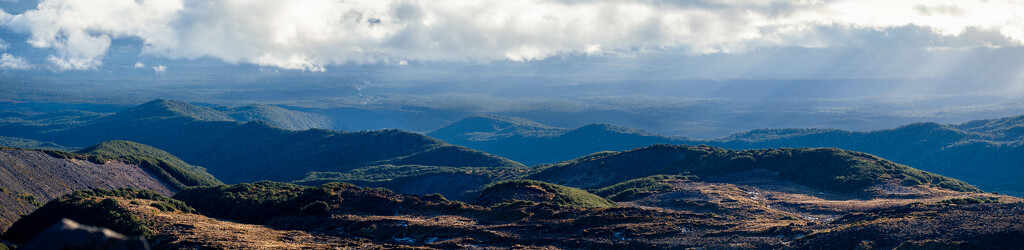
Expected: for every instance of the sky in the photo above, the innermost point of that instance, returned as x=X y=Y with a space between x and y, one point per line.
x=876 y=63
x=877 y=39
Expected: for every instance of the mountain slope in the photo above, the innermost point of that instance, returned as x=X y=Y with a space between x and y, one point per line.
x=29 y=178
x=238 y=152
x=159 y=162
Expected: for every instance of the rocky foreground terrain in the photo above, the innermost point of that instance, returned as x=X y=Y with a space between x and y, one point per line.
x=336 y=215
x=661 y=196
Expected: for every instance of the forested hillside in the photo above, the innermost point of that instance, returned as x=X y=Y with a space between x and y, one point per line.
x=239 y=152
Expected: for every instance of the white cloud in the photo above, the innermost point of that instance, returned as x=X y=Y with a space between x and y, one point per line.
x=139 y=65
x=8 y=61
x=312 y=34
x=159 y=69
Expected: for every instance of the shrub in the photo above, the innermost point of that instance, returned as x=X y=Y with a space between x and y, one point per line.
x=91 y=207
x=164 y=206
x=316 y=208
x=30 y=199
x=627 y=190
x=969 y=200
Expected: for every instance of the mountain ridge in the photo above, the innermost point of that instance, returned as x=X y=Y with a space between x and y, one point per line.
x=940 y=148
x=231 y=149
x=825 y=168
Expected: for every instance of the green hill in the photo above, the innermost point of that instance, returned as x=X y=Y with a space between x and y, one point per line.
x=824 y=168
x=172 y=169
x=539 y=192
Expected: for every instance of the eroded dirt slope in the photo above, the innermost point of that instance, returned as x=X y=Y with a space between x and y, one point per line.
x=30 y=178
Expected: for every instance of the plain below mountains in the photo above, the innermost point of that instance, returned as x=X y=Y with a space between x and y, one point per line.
x=987 y=153
x=237 y=151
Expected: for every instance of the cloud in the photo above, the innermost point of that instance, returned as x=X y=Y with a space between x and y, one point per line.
x=312 y=34
x=8 y=61
x=159 y=69
x=139 y=65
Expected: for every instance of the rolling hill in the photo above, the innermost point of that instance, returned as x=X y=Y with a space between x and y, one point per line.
x=239 y=152
x=829 y=169
x=986 y=153
x=539 y=192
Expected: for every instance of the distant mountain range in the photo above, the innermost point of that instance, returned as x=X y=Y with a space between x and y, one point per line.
x=987 y=153
x=237 y=151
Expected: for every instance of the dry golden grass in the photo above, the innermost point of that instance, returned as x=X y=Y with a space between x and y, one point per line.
x=183 y=230
x=759 y=199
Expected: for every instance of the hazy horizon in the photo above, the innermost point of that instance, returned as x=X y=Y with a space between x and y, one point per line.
x=700 y=69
